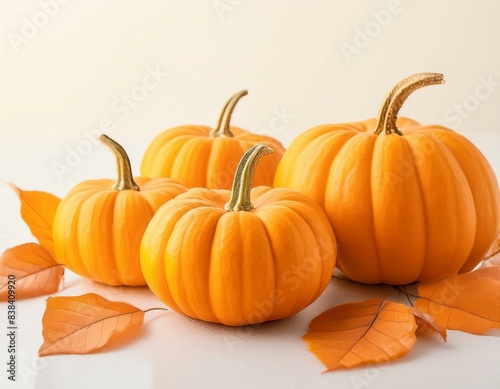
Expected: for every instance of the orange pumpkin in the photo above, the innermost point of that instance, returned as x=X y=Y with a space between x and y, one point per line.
x=217 y=256
x=408 y=204
x=198 y=156
x=99 y=225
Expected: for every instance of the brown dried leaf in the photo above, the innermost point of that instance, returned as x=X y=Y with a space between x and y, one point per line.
x=353 y=334
x=427 y=322
x=38 y=210
x=468 y=302
x=83 y=324
x=31 y=270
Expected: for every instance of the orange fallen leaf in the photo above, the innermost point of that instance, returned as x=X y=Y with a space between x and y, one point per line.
x=491 y=272
x=38 y=210
x=468 y=302
x=353 y=334
x=427 y=322
x=28 y=270
x=83 y=324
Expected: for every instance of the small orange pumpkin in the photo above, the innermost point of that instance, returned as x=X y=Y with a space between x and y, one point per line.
x=198 y=156
x=408 y=204
x=99 y=225
x=217 y=256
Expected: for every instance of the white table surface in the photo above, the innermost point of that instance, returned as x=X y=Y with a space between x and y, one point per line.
x=174 y=351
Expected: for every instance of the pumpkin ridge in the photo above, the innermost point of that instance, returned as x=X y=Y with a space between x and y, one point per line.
x=91 y=186
x=276 y=275
x=211 y=161
x=380 y=271
x=268 y=237
x=327 y=141
x=211 y=291
x=353 y=141
x=476 y=204
x=211 y=296
x=180 y=295
x=210 y=261
x=111 y=193
x=424 y=208
x=203 y=151
x=320 y=287
x=284 y=204
x=173 y=147
x=486 y=175
x=448 y=155
x=129 y=207
x=115 y=263
x=154 y=238
x=156 y=147
x=164 y=253
x=62 y=252
x=77 y=260
x=469 y=188
x=148 y=200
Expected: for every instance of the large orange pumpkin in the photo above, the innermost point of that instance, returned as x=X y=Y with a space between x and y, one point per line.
x=408 y=204
x=217 y=256
x=198 y=156
x=99 y=225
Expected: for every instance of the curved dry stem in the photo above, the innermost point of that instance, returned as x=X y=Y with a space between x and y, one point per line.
x=125 y=180
x=388 y=113
x=242 y=183
x=224 y=121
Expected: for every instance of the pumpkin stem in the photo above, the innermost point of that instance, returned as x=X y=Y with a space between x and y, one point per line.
x=242 y=183
x=393 y=102
x=222 y=128
x=125 y=179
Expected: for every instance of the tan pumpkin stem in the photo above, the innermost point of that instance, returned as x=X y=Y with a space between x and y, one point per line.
x=222 y=128
x=388 y=114
x=242 y=183
x=125 y=179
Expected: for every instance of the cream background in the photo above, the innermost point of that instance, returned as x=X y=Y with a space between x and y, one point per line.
x=68 y=77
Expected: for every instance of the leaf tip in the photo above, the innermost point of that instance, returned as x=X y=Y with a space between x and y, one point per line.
x=12 y=186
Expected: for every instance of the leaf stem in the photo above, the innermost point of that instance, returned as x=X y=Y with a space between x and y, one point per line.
x=402 y=289
x=156 y=309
